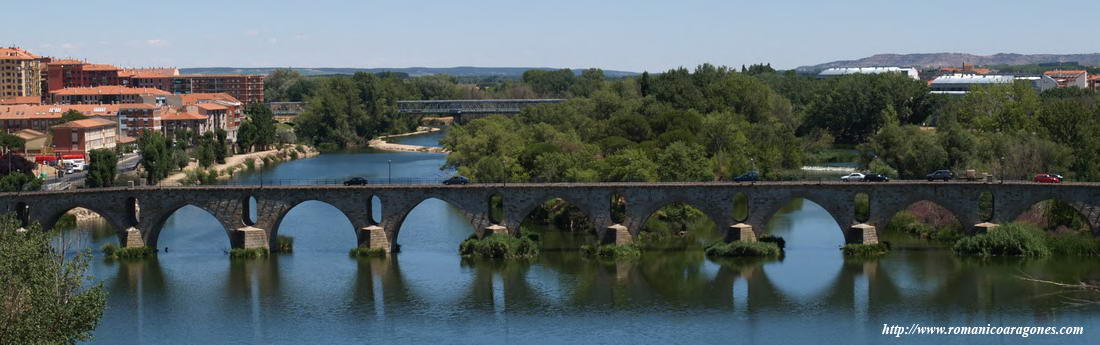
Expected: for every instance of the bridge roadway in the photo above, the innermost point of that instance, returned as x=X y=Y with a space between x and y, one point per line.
x=139 y=213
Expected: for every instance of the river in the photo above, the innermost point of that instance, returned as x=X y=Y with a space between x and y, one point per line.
x=192 y=293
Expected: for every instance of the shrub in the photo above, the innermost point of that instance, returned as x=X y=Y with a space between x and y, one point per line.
x=612 y=251
x=65 y=222
x=1079 y=244
x=906 y=222
x=253 y=253
x=778 y=240
x=865 y=250
x=284 y=244
x=744 y=249
x=249 y=164
x=1013 y=239
x=367 y=252
x=499 y=246
x=112 y=251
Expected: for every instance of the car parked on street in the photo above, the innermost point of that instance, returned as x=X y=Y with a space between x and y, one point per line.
x=1046 y=178
x=945 y=175
x=356 y=181
x=853 y=177
x=872 y=177
x=749 y=176
x=460 y=180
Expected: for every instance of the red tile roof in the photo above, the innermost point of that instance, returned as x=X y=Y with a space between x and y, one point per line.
x=195 y=98
x=13 y=53
x=1065 y=73
x=109 y=90
x=181 y=116
x=54 y=111
x=22 y=100
x=211 y=106
x=94 y=67
x=87 y=123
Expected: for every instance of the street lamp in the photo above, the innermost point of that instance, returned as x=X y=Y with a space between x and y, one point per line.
x=389 y=171
x=1002 y=169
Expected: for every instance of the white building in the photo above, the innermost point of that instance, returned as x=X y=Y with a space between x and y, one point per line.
x=839 y=71
x=960 y=84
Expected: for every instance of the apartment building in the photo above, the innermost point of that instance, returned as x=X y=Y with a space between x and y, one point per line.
x=103 y=95
x=248 y=88
x=85 y=135
x=20 y=73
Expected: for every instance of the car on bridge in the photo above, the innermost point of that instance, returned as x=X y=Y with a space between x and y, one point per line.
x=749 y=176
x=460 y=180
x=853 y=177
x=356 y=181
x=1047 y=178
x=873 y=177
x=945 y=175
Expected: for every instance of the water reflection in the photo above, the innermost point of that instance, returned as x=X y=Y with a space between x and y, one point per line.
x=194 y=293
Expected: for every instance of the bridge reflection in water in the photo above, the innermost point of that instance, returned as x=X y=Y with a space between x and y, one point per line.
x=324 y=295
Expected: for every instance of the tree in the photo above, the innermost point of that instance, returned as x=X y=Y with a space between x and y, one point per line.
x=683 y=162
x=246 y=136
x=45 y=296
x=10 y=143
x=630 y=165
x=156 y=158
x=206 y=152
x=261 y=117
x=102 y=168
x=549 y=83
x=221 y=146
x=72 y=115
x=19 y=182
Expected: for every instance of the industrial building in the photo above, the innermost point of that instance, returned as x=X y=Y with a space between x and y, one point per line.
x=839 y=71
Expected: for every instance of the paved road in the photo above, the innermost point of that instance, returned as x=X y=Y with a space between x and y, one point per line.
x=127 y=163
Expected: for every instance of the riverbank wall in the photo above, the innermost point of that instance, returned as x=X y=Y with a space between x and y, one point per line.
x=241 y=162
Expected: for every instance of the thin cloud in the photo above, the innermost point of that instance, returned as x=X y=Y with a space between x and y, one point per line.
x=157 y=43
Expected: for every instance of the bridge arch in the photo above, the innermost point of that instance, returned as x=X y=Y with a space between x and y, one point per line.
x=328 y=207
x=841 y=211
x=1088 y=214
x=715 y=214
x=476 y=220
x=118 y=222
x=926 y=211
x=157 y=223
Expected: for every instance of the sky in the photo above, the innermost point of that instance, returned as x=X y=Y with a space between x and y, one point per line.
x=634 y=36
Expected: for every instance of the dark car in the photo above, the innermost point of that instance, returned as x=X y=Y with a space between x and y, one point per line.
x=356 y=181
x=750 y=176
x=875 y=178
x=456 y=180
x=945 y=175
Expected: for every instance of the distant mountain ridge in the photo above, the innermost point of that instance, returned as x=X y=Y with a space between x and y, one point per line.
x=935 y=60
x=461 y=71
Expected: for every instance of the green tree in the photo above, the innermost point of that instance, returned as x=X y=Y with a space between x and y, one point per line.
x=221 y=145
x=156 y=158
x=246 y=136
x=102 y=168
x=47 y=299
x=72 y=115
x=630 y=165
x=206 y=152
x=19 y=182
x=261 y=117
x=683 y=162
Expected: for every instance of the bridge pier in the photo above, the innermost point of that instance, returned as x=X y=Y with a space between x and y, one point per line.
x=861 y=234
x=374 y=237
x=131 y=238
x=494 y=229
x=984 y=227
x=249 y=237
x=617 y=234
x=740 y=232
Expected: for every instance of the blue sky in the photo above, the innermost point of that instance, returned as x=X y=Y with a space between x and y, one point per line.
x=623 y=35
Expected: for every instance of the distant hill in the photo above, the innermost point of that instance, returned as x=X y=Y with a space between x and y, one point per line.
x=463 y=71
x=935 y=60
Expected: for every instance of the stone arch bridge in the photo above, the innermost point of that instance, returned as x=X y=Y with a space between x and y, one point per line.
x=138 y=214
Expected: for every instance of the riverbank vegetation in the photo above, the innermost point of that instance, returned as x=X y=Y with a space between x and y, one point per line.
x=47 y=297
x=114 y=252
x=499 y=246
x=744 y=249
x=860 y=250
x=249 y=253
x=283 y=244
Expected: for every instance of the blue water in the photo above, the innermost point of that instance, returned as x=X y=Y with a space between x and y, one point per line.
x=192 y=293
